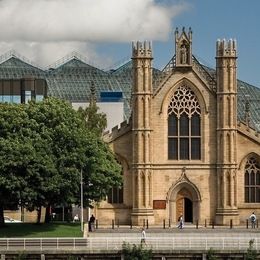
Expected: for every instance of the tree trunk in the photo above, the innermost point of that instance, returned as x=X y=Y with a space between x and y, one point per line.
x=39 y=213
x=2 y=220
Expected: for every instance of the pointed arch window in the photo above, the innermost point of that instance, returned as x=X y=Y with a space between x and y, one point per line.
x=184 y=126
x=252 y=181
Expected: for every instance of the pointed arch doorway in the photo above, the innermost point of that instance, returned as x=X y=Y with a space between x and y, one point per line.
x=184 y=205
x=184 y=199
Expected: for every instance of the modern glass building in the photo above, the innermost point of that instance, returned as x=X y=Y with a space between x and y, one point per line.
x=71 y=79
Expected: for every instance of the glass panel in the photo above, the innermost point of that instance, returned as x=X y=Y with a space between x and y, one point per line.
x=184 y=125
x=17 y=99
x=39 y=98
x=7 y=99
x=258 y=178
x=28 y=96
x=257 y=194
x=39 y=86
x=252 y=194
x=109 y=196
x=29 y=84
x=115 y=195
x=120 y=195
x=172 y=125
x=252 y=178
x=184 y=148
x=246 y=194
x=246 y=178
x=172 y=148
x=195 y=125
x=16 y=87
x=195 y=149
x=7 y=88
x=1 y=98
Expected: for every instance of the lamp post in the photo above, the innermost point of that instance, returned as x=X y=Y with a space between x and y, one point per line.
x=81 y=200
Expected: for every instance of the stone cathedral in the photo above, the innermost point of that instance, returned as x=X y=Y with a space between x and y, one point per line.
x=192 y=143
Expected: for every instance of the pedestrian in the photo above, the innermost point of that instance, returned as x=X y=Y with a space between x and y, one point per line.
x=180 y=219
x=143 y=237
x=91 y=223
x=253 y=219
x=76 y=218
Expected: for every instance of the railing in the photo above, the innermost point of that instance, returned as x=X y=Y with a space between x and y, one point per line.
x=95 y=244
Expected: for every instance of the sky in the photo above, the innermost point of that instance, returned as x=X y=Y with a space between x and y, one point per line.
x=44 y=31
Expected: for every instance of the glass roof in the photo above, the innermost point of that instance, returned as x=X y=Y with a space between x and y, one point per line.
x=72 y=80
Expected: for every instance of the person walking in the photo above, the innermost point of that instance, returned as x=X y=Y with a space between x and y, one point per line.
x=91 y=223
x=253 y=219
x=143 y=237
x=180 y=226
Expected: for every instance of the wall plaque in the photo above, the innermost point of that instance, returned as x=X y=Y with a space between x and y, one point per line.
x=159 y=204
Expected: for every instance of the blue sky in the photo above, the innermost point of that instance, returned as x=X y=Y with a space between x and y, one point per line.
x=211 y=20
x=44 y=31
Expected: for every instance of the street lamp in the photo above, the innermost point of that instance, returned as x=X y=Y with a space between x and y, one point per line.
x=81 y=201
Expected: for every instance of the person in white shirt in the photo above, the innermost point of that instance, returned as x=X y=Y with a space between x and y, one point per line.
x=180 y=222
x=143 y=237
x=253 y=219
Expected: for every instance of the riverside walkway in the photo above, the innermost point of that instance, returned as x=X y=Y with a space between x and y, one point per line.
x=188 y=238
x=168 y=243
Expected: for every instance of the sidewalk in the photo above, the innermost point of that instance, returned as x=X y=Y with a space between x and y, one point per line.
x=188 y=230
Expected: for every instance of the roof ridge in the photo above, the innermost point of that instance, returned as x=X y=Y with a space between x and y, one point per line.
x=14 y=54
x=69 y=57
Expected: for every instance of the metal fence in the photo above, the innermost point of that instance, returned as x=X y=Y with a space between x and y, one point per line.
x=94 y=244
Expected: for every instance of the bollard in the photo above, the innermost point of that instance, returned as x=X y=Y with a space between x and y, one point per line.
x=205 y=223
x=143 y=223
x=213 y=224
x=118 y=223
x=96 y=224
x=197 y=224
x=131 y=225
x=147 y=224
x=164 y=224
x=169 y=223
x=113 y=224
x=231 y=223
x=247 y=223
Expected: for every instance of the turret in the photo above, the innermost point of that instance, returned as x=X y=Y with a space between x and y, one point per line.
x=141 y=131
x=226 y=55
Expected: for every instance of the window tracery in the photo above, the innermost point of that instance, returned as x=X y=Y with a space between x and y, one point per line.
x=184 y=125
x=252 y=181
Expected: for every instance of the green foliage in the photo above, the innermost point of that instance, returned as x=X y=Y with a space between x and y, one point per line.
x=211 y=254
x=136 y=252
x=95 y=122
x=251 y=253
x=43 y=148
x=21 y=256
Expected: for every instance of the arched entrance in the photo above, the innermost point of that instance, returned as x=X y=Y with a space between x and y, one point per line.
x=184 y=199
x=184 y=205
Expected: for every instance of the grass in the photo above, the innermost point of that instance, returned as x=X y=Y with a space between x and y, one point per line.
x=41 y=230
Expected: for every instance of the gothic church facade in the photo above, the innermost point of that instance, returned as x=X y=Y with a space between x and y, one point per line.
x=184 y=150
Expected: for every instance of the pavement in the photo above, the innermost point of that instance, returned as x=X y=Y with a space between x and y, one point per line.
x=188 y=230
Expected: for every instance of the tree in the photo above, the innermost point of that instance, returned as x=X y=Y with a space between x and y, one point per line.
x=94 y=121
x=251 y=253
x=136 y=252
x=44 y=146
